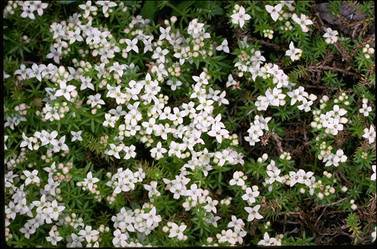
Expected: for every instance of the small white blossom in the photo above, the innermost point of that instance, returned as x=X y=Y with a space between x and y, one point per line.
x=303 y=21
x=293 y=53
x=223 y=46
x=76 y=136
x=253 y=213
x=370 y=134
x=240 y=17
x=274 y=11
x=331 y=36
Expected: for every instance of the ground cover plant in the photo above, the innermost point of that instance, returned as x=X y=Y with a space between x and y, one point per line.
x=189 y=123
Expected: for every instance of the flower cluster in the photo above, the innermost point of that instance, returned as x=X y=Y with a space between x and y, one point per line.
x=256 y=129
x=143 y=220
x=123 y=181
x=27 y=7
x=126 y=128
x=368 y=51
x=175 y=230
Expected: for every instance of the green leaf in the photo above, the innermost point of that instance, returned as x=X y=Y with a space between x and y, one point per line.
x=149 y=9
x=182 y=7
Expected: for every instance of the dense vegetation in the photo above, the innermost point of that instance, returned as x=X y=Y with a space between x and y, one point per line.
x=189 y=123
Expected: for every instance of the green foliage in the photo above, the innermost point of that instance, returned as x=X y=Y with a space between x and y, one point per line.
x=331 y=79
x=353 y=224
x=294 y=159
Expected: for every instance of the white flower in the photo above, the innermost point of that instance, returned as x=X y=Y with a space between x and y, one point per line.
x=89 y=234
x=28 y=11
x=151 y=218
x=339 y=157
x=86 y=82
x=114 y=150
x=76 y=136
x=238 y=179
x=373 y=176
x=250 y=194
x=223 y=46
x=118 y=68
x=273 y=173
x=39 y=6
x=158 y=151
x=129 y=152
x=177 y=231
x=132 y=45
x=231 y=82
x=54 y=210
x=217 y=130
x=195 y=28
x=90 y=181
x=305 y=105
x=120 y=239
x=201 y=79
x=370 y=134
x=238 y=224
x=240 y=17
x=106 y=5
x=6 y=76
x=22 y=72
x=152 y=189
x=303 y=21
x=293 y=53
x=228 y=236
x=254 y=133
x=373 y=235
x=87 y=7
x=110 y=120
x=54 y=54
x=276 y=97
x=165 y=33
x=298 y=94
x=27 y=141
x=31 y=177
x=95 y=100
x=274 y=11
x=54 y=236
x=74 y=35
x=336 y=159
x=159 y=54
x=253 y=213
x=67 y=91
x=74 y=241
x=10 y=210
x=174 y=84
x=331 y=36
x=365 y=109
x=5 y=139
x=267 y=241
x=59 y=145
